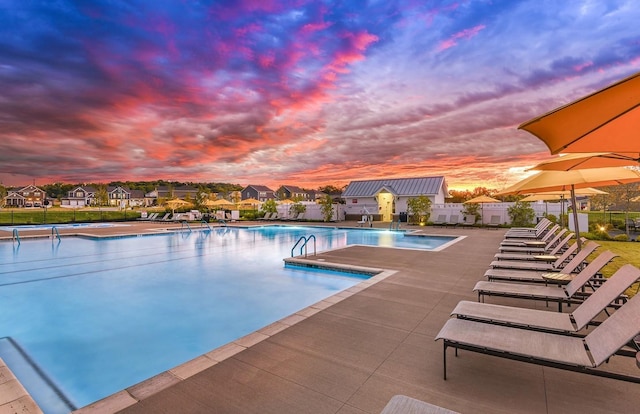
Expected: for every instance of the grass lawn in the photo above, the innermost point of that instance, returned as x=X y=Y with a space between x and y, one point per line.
x=628 y=252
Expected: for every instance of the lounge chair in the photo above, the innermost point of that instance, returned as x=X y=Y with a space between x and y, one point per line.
x=267 y=216
x=401 y=404
x=149 y=217
x=164 y=218
x=548 y=349
x=468 y=220
x=542 y=241
x=300 y=217
x=537 y=247
x=548 y=266
x=556 y=251
x=542 y=224
x=454 y=220
x=535 y=319
x=569 y=293
x=494 y=221
x=441 y=220
x=534 y=233
x=533 y=276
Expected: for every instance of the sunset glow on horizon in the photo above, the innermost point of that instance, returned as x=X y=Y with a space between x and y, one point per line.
x=305 y=93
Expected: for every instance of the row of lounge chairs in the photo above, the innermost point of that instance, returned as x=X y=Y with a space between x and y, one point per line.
x=155 y=217
x=454 y=220
x=555 y=339
x=275 y=216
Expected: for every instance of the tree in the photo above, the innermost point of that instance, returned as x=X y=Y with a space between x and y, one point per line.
x=521 y=214
x=419 y=209
x=269 y=206
x=471 y=209
x=102 y=196
x=297 y=208
x=326 y=207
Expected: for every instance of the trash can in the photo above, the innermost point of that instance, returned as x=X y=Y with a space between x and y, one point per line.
x=403 y=217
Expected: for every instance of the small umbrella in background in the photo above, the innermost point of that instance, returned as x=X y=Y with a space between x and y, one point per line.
x=548 y=181
x=221 y=204
x=606 y=120
x=482 y=200
x=251 y=203
x=561 y=196
x=175 y=203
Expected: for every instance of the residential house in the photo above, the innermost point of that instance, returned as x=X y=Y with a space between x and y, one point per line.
x=168 y=192
x=29 y=196
x=259 y=192
x=385 y=199
x=82 y=196
x=292 y=192
x=124 y=197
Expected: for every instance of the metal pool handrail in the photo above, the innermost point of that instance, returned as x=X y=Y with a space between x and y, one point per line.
x=54 y=229
x=16 y=235
x=304 y=245
x=206 y=224
x=185 y=223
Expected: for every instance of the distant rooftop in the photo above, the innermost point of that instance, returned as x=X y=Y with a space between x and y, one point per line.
x=397 y=186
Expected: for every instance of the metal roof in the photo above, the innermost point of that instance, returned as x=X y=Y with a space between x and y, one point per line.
x=396 y=186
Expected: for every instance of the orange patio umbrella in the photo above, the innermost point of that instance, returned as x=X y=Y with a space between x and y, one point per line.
x=604 y=121
x=482 y=199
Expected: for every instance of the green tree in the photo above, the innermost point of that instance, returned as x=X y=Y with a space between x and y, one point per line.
x=102 y=196
x=326 y=207
x=521 y=214
x=419 y=209
x=297 y=208
x=269 y=206
x=471 y=209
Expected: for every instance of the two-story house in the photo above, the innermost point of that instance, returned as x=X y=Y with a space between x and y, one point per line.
x=29 y=196
x=258 y=192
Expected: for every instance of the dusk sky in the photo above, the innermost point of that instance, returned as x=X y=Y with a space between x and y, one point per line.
x=299 y=92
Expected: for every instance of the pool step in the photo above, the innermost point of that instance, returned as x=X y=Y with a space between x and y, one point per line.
x=40 y=387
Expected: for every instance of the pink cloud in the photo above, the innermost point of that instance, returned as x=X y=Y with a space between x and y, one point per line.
x=464 y=34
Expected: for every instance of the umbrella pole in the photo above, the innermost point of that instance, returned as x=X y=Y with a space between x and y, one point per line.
x=575 y=216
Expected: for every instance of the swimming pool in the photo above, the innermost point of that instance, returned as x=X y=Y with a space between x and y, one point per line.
x=97 y=316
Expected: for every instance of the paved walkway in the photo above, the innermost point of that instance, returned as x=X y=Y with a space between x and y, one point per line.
x=353 y=356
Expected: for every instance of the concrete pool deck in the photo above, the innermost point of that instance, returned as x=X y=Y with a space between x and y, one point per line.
x=355 y=352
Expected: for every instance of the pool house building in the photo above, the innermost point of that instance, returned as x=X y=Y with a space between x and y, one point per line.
x=386 y=199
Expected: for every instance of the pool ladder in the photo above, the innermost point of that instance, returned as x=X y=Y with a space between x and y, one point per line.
x=396 y=227
x=206 y=224
x=55 y=233
x=183 y=224
x=304 y=240
x=16 y=236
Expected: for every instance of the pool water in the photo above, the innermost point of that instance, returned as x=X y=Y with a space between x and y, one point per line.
x=97 y=316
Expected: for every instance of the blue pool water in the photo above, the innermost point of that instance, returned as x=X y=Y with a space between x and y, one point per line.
x=97 y=316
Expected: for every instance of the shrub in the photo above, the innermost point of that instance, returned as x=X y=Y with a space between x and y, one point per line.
x=552 y=218
x=419 y=209
x=521 y=214
x=621 y=237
